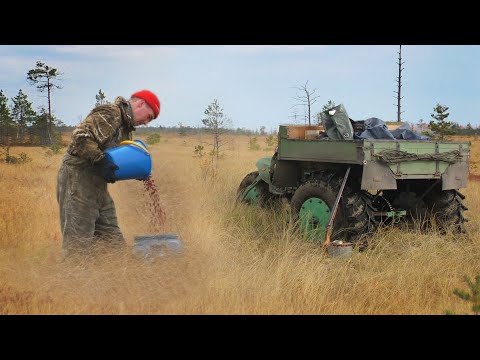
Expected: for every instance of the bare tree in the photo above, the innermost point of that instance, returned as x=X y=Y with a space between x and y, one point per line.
x=399 y=85
x=294 y=116
x=306 y=99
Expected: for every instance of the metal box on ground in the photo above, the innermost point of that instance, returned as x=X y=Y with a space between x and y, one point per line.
x=151 y=246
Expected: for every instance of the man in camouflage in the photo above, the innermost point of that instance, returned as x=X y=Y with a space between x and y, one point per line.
x=87 y=211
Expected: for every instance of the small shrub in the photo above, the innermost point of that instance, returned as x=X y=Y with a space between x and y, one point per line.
x=271 y=141
x=153 y=139
x=199 y=150
x=11 y=159
x=21 y=159
x=54 y=149
x=182 y=131
x=253 y=143
x=208 y=168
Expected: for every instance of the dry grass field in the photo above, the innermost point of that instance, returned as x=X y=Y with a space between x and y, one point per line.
x=237 y=260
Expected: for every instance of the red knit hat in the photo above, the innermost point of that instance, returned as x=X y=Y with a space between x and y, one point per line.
x=151 y=99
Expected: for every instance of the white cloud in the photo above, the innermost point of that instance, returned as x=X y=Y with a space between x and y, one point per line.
x=124 y=52
x=264 y=48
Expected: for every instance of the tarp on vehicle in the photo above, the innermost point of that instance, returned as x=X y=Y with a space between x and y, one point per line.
x=375 y=128
x=339 y=126
x=336 y=123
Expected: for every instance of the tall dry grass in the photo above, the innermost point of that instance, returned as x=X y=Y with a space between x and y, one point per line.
x=237 y=260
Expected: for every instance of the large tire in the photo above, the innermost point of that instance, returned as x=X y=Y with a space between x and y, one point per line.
x=317 y=196
x=258 y=195
x=410 y=201
x=447 y=209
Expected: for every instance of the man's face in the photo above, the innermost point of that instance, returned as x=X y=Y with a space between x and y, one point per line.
x=143 y=113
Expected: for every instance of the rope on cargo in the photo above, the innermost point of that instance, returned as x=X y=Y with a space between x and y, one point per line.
x=396 y=156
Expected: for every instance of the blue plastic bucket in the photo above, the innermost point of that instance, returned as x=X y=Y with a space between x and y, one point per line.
x=133 y=160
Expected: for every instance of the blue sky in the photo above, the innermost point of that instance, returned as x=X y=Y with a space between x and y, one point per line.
x=255 y=84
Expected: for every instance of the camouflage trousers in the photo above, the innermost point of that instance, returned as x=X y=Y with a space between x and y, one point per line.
x=87 y=211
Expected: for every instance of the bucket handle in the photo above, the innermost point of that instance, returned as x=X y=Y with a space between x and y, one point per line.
x=126 y=142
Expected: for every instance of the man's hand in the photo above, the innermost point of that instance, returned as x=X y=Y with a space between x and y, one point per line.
x=105 y=169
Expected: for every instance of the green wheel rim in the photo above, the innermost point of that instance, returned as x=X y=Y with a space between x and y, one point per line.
x=251 y=197
x=313 y=217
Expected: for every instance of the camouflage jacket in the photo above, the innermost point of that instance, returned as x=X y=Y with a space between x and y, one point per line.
x=104 y=128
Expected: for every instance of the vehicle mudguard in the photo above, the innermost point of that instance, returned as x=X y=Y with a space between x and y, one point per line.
x=263 y=166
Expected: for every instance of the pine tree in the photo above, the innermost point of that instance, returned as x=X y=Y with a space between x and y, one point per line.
x=100 y=98
x=473 y=296
x=7 y=126
x=23 y=114
x=40 y=129
x=440 y=127
x=43 y=77
x=329 y=105
x=216 y=121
